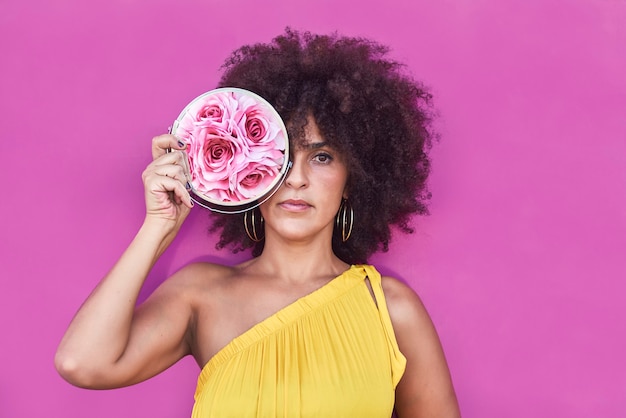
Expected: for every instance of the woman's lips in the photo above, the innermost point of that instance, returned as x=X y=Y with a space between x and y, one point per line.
x=294 y=205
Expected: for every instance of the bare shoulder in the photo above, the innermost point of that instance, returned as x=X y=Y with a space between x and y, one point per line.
x=404 y=305
x=426 y=387
x=413 y=327
x=201 y=274
x=192 y=281
x=205 y=270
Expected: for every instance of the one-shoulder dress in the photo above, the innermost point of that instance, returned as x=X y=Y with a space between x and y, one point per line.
x=331 y=353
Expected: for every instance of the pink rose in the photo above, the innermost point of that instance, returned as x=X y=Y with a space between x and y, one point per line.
x=256 y=128
x=258 y=122
x=255 y=178
x=217 y=153
x=215 y=157
x=210 y=110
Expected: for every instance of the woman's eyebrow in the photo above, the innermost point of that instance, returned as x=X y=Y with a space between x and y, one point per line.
x=315 y=145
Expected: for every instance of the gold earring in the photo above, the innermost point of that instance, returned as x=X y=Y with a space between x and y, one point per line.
x=250 y=224
x=344 y=220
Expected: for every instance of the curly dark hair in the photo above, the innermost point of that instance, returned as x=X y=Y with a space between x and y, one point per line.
x=365 y=107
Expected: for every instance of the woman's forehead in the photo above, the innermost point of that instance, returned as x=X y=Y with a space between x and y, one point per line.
x=305 y=132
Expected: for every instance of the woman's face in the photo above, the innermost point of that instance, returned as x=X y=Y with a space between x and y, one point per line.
x=306 y=203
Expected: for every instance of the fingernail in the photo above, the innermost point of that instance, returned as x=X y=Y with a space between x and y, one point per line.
x=181 y=144
x=188 y=186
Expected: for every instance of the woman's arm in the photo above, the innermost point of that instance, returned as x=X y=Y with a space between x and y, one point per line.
x=110 y=343
x=425 y=389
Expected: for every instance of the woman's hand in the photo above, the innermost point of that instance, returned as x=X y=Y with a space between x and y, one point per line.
x=166 y=182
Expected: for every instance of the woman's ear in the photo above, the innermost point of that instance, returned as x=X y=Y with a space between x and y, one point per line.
x=346 y=187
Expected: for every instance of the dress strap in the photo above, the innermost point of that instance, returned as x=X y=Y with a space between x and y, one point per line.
x=398 y=361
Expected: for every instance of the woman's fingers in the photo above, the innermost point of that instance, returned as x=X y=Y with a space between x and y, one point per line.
x=166 y=180
x=173 y=170
x=175 y=158
x=176 y=192
x=162 y=144
x=163 y=190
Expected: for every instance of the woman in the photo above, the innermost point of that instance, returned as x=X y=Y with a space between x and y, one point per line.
x=301 y=329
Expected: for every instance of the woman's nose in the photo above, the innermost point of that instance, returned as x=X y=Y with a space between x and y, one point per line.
x=297 y=176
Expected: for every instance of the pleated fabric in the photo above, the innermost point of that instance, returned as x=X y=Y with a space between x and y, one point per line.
x=332 y=353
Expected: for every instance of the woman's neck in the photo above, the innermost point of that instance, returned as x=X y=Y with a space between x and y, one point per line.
x=297 y=262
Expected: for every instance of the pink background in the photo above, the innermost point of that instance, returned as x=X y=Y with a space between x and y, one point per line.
x=521 y=263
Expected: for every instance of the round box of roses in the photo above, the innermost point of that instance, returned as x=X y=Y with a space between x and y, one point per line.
x=237 y=149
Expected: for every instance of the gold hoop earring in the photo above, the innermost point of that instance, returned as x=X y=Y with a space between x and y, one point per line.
x=344 y=220
x=254 y=232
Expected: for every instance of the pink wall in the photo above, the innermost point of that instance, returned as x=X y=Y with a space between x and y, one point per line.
x=521 y=263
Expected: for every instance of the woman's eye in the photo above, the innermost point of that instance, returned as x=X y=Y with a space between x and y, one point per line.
x=323 y=157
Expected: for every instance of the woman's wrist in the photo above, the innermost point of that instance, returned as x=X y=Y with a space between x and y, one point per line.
x=157 y=233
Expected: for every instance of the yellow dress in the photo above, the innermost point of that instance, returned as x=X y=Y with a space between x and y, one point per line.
x=332 y=353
